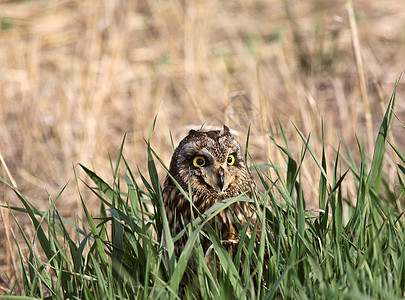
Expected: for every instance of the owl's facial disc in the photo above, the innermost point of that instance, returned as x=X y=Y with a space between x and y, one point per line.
x=212 y=158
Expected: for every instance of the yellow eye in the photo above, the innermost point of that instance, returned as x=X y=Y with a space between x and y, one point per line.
x=199 y=161
x=230 y=160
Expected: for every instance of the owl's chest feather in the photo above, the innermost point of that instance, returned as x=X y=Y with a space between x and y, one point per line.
x=180 y=211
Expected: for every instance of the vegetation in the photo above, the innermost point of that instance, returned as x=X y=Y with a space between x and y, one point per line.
x=77 y=75
x=121 y=254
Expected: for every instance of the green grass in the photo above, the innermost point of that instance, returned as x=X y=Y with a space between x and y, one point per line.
x=127 y=251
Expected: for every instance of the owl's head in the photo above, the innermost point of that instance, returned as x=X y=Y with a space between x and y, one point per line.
x=212 y=161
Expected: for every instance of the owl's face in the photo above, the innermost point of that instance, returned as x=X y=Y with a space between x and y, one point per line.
x=211 y=161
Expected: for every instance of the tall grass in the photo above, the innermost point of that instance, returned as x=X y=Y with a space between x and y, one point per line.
x=75 y=76
x=353 y=249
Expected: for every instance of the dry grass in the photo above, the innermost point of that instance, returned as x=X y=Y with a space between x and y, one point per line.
x=75 y=76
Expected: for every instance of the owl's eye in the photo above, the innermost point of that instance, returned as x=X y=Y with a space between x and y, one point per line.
x=199 y=161
x=230 y=160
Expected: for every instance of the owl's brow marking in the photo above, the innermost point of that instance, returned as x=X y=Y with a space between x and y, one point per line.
x=203 y=152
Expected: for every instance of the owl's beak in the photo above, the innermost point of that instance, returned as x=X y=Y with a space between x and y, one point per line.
x=217 y=178
x=220 y=178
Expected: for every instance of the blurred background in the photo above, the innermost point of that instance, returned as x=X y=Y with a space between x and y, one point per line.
x=76 y=76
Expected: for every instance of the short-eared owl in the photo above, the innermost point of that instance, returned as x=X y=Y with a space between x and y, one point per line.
x=211 y=162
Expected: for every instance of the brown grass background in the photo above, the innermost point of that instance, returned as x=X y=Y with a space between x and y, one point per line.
x=75 y=76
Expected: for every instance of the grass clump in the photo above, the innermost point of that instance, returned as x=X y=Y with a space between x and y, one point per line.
x=127 y=252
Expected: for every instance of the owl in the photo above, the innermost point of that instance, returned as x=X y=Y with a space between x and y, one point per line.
x=212 y=164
